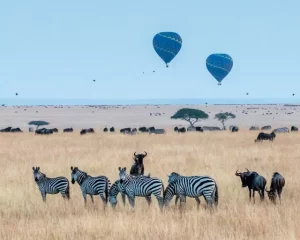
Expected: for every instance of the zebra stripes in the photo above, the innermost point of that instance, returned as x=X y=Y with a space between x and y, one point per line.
x=140 y=186
x=91 y=185
x=193 y=186
x=51 y=185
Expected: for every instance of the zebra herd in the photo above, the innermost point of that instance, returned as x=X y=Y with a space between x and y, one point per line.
x=136 y=184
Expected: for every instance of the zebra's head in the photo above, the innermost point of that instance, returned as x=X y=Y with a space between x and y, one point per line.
x=76 y=174
x=122 y=174
x=37 y=174
x=173 y=177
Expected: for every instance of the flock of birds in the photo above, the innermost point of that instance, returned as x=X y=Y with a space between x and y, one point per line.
x=136 y=184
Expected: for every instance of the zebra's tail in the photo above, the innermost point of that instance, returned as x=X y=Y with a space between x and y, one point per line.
x=68 y=191
x=107 y=189
x=216 y=195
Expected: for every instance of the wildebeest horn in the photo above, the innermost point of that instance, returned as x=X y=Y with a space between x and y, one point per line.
x=237 y=174
x=247 y=169
x=145 y=154
x=134 y=154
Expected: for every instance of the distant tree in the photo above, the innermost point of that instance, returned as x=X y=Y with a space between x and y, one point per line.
x=190 y=115
x=223 y=117
x=38 y=123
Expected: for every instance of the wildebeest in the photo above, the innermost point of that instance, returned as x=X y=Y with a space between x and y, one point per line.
x=6 y=129
x=277 y=184
x=55 y=130
x=294 y=129
x=143 y=129
x=181 y=130
x=233 y=129
x=175 y=129
x=68 y=130
x=112 y=129
x=194 y=129
x=151 y=129
x=205 y=128
x=123 y=130
x=157 y=131
x=105 y=130
x=254 y=128
x=83 y=131
x=90 y=130
x=268 y=127
x=15 y=130
x=137 y=168
x=43 y=131
x=254 y=182
x=265 y=136
x=281 y=130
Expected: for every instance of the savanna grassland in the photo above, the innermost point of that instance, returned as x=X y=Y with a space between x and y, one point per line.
x=23 y=215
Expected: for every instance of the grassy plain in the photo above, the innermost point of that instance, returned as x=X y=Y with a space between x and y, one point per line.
x=23 y=215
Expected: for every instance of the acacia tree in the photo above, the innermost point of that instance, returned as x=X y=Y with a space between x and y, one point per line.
x=223 y=117
x=190 y=115
x=38 y=123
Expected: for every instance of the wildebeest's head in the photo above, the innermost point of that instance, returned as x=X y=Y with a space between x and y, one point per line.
x=271 y=195
x=139 y=158
x=244 y=177
x=122 y=174
x=37 y=174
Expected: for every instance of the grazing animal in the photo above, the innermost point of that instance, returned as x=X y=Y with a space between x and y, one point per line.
x=157 y=131
x=294 y=129
x=123 y=130
x=191 y=186
x=181 y=130
x=277 y=184
x=233 y=129
x=138 y=166
x=43 y=131
x=90 y=130
x=6 y=129
x=117 y=188
x=105 y=130
x=112 y=129
x=55 y=130
x=175 y=129
x=194 y=129
x=254 y=182
x=151 y=129
x=68 y=130
x=141 y=186
x=205 y=128
x=83 y=132
x=281 y=130
x=91 y=185
x=15 y=130
x=265 y=136
x=143 y=129
x=268 y=127
x=51 y=185
x=254 y=128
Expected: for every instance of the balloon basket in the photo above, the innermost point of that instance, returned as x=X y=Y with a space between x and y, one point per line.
x=219 y=84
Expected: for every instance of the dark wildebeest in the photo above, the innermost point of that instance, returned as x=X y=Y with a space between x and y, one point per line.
x=123 y=130
x=55 y=130
x=143 y=129
x=6 y=129
x=266 y=127
x=44 y=131
x=277 y=183
x=83 y=131
x=294 y=129
x=175 y=129
x=281 y=130
x=112 y=129
x=137 y=168
x=265 y=136
x=181 y=130
x=233 y=129
x=90 y=130
x=254 y=182
x=254 y=128
x=68 y=130
x=105 y=130
x=199 y=129
x=151 y=129
x=15 y=130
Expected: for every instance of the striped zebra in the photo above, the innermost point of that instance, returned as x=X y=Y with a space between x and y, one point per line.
x=117 y=188
x=51 y=185
x=141 y=187
x=193 y=186
x=91 y=185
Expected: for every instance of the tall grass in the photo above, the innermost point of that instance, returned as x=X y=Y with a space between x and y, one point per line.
x=23 y=215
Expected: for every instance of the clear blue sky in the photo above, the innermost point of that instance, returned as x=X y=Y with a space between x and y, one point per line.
x=54 y=49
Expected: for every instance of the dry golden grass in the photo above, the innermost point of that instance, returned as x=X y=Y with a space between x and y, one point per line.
x=219 y=155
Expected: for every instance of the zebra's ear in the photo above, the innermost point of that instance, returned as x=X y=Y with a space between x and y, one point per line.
x=124 y=168
x=72 y=168
x=33 y=168
x=38 y=168
x=119 y=168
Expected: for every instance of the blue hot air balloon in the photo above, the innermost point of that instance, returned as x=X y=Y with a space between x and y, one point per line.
x=167 y=45
x=219 y=65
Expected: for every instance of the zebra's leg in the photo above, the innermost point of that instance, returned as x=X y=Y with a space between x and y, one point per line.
x=131 y=201
x=176 y=200
x=198 y=202
x=84 y=198
x=103 y=199
x=123 y=198
x=182 y=200
x=148 y=198
x=92 y=198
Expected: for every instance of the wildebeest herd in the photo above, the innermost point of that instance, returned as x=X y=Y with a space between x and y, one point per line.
x=136 y=184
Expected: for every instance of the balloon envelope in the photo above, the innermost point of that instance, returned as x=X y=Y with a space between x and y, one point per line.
x=167 y=45
x=219 y=65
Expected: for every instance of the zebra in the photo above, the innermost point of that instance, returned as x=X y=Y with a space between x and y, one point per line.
x=193 y=186
x=91 y=185
x=51 y=185
x=117 y=188
x=141 y=186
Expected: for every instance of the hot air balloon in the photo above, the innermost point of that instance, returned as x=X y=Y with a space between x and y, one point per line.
x=219 y=65
x=167 y=45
